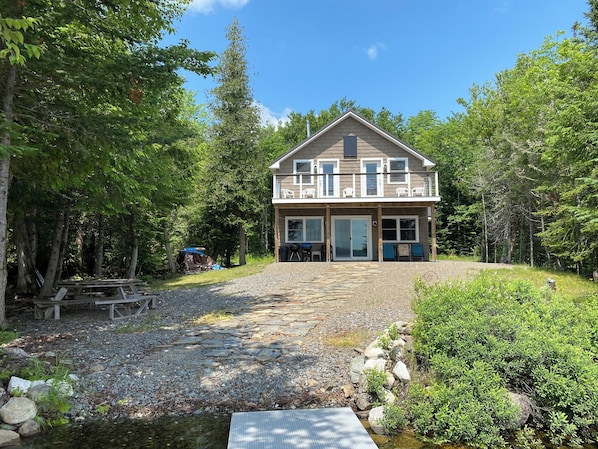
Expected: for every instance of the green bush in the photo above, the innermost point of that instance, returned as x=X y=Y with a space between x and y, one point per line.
x=375 y=382
x=480 y=338
x=394 y=419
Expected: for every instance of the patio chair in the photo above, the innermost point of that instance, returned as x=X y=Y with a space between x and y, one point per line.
x=418 y=191
x=308 y=193
x=348 y=192
x=286 y=193
x=417 y=252
x=402 y=191
x=403 y=252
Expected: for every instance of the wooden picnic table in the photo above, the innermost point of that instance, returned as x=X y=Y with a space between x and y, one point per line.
x=119 y=294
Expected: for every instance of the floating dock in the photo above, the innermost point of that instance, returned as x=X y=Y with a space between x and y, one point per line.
x=327 y=428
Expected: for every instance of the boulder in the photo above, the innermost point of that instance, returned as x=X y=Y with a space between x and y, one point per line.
x=18 y=410
x=16 y=383
x=364 y=401
x=16 y=353
x=377 y=364
x=374 y=352
x=525 y=405
x=348 y=390
x=401 y=372
x=40 y=389
x=375 y=418
x=29 y=428
x=9 y=438
x=61 y=386
x=356 y=367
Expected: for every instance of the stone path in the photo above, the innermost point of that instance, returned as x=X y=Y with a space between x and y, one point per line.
x=275 y=325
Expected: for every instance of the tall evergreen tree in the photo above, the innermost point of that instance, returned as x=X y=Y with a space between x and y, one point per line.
x=235 y=168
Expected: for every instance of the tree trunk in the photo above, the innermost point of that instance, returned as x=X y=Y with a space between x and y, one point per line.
x=7 y=105
x=99 y=249
x=242 y=245
x=168 y=247
x=54 y=253
x=63 y=244
x=134 y=248
x=25 y=267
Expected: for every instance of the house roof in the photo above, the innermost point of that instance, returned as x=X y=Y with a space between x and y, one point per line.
x=426 y=162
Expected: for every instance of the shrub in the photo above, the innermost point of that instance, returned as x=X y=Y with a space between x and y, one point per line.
x=394 y=419
x=481 y=337
x=375 y=382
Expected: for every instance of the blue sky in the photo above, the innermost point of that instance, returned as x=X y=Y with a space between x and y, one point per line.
x=405 y=55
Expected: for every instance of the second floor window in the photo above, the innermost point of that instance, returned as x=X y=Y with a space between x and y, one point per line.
x=302 y=171
x=397 y=171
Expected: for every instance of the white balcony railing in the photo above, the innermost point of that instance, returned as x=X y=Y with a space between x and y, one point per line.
x=330 y=186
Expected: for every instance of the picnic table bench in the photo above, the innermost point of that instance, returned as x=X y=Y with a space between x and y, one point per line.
x=122 y=297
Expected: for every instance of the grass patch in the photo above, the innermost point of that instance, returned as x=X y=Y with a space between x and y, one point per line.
x=253 y=266
x=213 y=317
x=7 y=336
x=348 y=339
x=569 y=285
x=150 y=323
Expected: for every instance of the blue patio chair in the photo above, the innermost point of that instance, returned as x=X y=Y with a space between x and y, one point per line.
x=417 y=252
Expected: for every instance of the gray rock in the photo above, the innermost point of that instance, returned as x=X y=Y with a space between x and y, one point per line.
x=364 y=401
x=378 y=364
x=401 y=372
x=525 y=405
x=29 y=428
x=390 y=380
x=375 y=353
x=18 y=410
x=61 y=386
x=16 y=353
x=39 y=390
x=376 y=416
x=16 y=383
x=356 y=367
x=9 y=438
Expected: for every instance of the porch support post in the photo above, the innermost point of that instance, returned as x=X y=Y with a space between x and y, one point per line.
x=327 y=225
x=276 y=233
x=379 y=235
x=433 y=218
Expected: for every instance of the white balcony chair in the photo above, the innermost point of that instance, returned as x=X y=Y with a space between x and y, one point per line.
x=286 y=193
x=308 y=193
x=402 y=191
x=348 y=192
x=418 y=191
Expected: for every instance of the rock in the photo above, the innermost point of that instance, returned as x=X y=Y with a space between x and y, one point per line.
x=61 y=386
x=16 y=353
x=375 y=352
x=396 y=352
x=16 y=383
x=356 y=367
x=18 y=410
x=348 y=390
x=390 y=380
x=29 y=428
x=364 y=401
x=401 y=372
x=525 y=404
x=388 y=397
x=375 y=418
x=377 y=364
x=97 y=368
x=9 y=438
x=39 y=390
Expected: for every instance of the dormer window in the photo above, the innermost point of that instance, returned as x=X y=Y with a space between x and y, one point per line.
x=302 y=172
x=350 y=146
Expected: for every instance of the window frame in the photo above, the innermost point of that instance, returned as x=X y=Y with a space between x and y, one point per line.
x=303 y=219
x=398 y=228
x=300 y=180
x=404 y=172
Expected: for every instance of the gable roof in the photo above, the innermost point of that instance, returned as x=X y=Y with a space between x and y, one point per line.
x=426 y=162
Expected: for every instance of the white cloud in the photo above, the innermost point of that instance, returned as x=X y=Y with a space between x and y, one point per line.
x=269 y=117
x=208 y=6
x=373 y=50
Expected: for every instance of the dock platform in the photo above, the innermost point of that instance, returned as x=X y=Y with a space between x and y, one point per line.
x=327 y=428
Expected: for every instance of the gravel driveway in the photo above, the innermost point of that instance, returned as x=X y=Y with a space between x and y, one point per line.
x=273 y=349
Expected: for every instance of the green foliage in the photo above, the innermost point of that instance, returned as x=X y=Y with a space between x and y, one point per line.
x=481 y=337
x=526 y=439
x=7 y=336
x=375 y=380
x=394 y=419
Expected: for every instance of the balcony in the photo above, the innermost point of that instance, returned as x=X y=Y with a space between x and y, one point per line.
x=293 y=188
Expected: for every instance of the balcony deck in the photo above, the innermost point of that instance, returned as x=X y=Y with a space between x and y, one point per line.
x=351 y=188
